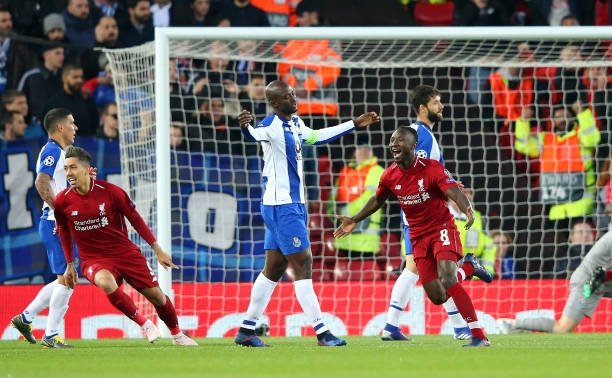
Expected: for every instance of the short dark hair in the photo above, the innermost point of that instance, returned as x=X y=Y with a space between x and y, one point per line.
x=421 y=96
x=80 y=153
x=69 y=68
x=411 y=131
x=10 y=95
x=55 y=116
x=7 y=117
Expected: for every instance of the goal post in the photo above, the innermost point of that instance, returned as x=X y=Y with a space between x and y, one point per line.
x=379 y=68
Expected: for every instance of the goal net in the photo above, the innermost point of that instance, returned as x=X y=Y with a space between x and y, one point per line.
x=198 y=183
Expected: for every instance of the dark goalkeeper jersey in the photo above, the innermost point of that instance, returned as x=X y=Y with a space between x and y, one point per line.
x=96 y=221
x=420 y=193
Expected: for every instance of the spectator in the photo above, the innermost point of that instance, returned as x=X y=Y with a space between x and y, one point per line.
x=504 y=262
x=475 y=240
x=70 y=97
x=54 y=28
x=307 y=14
x=218 y=79
x=16 y=101
x=93 y=60
x=242 y=13
x=212 y=130
x=13 y=126
x=581 y=239
x=41 y=83
x=356 y=183
x=568 y=79
x=197 y=14
x=567 y=167
x=100 y=88
x=109 y=129
x=177 y=136
x=253 y=97
x=279 y=12
x=15 y=57
x=80 y=21
x=138 y=28
x=480 y=13
x=247 y=64
x=161 y=12
x=512 y=91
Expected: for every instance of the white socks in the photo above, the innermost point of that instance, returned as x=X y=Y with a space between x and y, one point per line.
x=400 y=296
x=310 y=304
x=453 y=314
x=261 y=292
x=40 y=302
x=58 y=305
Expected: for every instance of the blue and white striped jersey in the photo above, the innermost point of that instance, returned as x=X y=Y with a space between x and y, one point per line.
x=427 y=147
x=281 y=140
x=51 y=161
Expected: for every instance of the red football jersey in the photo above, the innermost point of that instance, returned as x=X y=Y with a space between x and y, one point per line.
x=420 y=193
x=96 y=221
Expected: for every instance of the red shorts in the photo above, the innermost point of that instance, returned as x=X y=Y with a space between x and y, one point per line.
x=133 y=268
x=442 y=244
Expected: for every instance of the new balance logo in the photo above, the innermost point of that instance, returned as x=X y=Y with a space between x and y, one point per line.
x=398 y=187
x=74 y=213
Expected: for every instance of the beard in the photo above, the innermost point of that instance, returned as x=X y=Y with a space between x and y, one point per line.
x=433 y=117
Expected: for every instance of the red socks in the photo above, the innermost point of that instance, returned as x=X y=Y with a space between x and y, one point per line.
x=125 y=304
x=466 y=308
x=167 y=313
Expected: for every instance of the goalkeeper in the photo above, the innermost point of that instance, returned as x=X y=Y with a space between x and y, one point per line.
x=582 y=299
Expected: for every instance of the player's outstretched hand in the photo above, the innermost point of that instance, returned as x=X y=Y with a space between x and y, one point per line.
x=470 y=218
x=70 y=276
x=347 y=226
x=163 y=258
x=245 y=118
x=367 y=119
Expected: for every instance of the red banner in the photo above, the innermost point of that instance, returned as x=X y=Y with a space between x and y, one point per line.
x=353 y=308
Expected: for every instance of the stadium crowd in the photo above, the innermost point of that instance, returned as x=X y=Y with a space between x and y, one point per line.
x=49 y=59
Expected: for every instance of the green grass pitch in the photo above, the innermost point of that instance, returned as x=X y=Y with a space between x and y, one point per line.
x=519 y=355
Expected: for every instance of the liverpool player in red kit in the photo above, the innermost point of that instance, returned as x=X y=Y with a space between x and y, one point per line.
x=93 y=212
x=421 y=187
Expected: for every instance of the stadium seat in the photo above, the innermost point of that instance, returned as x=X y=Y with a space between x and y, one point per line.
x=426 y=14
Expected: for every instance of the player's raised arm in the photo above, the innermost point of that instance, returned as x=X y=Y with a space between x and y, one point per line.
x=463 y=202
x=367 y=119
x=349 y=223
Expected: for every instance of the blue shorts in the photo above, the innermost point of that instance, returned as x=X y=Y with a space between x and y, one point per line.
x=286 y=228
x=407 y=241
x=55 y=254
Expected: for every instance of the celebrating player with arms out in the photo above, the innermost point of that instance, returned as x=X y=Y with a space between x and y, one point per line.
x=421 y=187
x=286 y=241
x=93 y=212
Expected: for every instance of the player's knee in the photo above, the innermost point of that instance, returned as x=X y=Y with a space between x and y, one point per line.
x=448 y=280
x=107 y=284
x=437 y=298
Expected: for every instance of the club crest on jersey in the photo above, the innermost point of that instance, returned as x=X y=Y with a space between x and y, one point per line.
x=49 y=161
x=74 y=213
x=421 y=186
x=421 y=154
x=296 y=242
x=101 y=207
x=398 y=187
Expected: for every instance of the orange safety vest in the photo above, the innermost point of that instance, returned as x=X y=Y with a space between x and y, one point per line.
x=510 y=102
x=310 y=64
x=561 y=154
x=351 y=182
x=280 y=12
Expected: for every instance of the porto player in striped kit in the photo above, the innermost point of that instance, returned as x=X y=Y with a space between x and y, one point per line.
x=421 y=187
x=92 y=213
x=286 y=241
